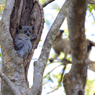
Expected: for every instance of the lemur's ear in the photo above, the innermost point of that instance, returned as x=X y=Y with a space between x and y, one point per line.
x=32 y=27
x=61 y=31
x=20 y=27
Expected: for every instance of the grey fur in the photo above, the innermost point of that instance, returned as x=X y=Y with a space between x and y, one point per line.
x=23 y=38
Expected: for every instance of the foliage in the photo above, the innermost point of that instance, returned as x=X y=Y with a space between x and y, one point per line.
x=90 y=7
x=90 y=87
x=2 y=5
x=42 y=1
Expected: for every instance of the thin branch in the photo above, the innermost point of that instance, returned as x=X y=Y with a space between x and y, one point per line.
x=91 y=65
x=63 y=73
x=91 y=2
x=54 y=89
x=52 y=70
x=10 y=84
x=47 y=2
x=93 y=16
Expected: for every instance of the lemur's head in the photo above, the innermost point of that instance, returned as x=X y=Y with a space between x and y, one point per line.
x=59 y=33
x=28 y=30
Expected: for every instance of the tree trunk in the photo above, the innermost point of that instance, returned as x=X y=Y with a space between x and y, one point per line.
x=24 y=12
x=74 y=81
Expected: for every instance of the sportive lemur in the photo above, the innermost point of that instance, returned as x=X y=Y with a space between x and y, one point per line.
x=23 y=37
x=63 y=45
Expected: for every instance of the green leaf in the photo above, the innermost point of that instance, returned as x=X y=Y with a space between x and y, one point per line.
x=90 y=7
x=0 y=55
x=50 y=79
x=42 y=1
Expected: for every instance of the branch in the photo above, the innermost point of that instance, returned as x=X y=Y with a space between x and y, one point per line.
x=40 y=65
x=91 y=2
x=51 y=71
x=47 y=2
x=54 y=89
x=91 y=65
x=10 y=84
x=63 y=71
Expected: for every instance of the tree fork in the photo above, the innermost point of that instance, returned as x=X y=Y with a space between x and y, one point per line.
x=25 y=12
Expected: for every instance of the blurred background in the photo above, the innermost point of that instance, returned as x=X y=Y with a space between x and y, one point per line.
x=52 y=75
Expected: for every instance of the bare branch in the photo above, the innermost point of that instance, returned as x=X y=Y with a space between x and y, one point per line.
x=63 y=71
x=39 y=65
x=10 y=84
x=91 y=65
x=91 y=2
x=52 y=70
x=54 y=89
x=47 y=2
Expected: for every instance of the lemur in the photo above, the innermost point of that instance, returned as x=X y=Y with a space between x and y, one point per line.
x=23 y=37
x=63 y=45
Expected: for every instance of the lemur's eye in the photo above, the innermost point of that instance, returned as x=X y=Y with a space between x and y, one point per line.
x=30 y=31
x=25 y=31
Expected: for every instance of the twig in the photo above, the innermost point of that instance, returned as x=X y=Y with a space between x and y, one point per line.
x=51 y=70
x=63 y=73
x=10 y=84
x=93 y=16
x=91 y=2
x=55 y=88
x=47 y=2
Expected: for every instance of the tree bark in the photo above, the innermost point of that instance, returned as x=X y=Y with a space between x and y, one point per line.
x=74 y=81
x=25 y=12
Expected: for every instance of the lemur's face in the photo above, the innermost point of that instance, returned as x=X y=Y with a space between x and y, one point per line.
x=28 y=30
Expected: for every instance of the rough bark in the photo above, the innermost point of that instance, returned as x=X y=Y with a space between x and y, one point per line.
x=13 y=66
x=10 y=84
x=74 y=81
x=27 y=12
x=11 y=63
